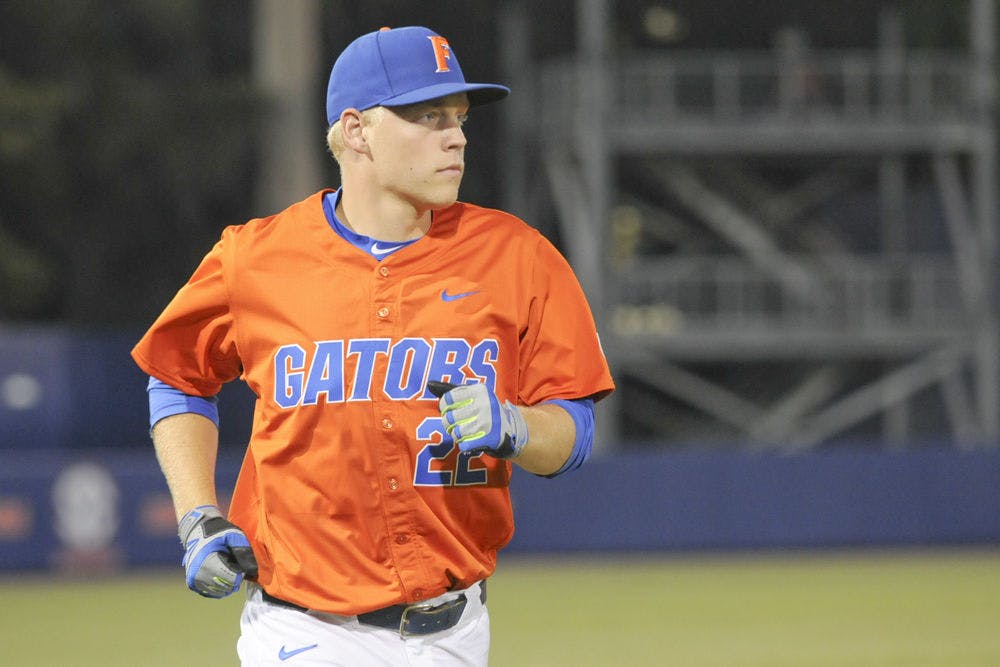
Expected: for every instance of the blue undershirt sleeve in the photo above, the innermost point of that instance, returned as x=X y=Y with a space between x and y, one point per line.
x=582 y=412
x=166 y=401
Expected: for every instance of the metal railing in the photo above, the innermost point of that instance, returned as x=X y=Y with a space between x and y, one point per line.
x=850 y=86
x=851 y=294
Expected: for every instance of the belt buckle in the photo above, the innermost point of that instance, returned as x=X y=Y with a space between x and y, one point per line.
x=442 y=608
x=404 y=619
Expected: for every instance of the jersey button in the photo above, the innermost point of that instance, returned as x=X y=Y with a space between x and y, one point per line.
x=401 y=538
x=418 y=594
x=393 y=484
x=383 y=312
x=387 y=424
x=383 y=271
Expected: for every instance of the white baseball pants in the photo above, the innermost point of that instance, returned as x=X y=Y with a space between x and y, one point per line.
x=273 y=634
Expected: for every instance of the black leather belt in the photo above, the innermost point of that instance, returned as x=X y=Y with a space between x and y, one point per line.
x=407 y=619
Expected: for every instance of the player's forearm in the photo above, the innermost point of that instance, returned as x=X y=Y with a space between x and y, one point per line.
x=551 y=434
x=186 y=447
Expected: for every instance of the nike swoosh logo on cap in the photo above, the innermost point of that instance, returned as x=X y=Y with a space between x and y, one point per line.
x=285 y=655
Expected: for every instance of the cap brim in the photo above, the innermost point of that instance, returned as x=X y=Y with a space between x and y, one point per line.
x=479 y=93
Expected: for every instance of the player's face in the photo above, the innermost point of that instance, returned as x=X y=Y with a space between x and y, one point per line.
x=418 y=151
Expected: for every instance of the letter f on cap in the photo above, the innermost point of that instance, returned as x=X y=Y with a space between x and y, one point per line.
x=442 y=52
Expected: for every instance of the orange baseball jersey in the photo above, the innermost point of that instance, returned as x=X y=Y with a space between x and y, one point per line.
x=351 y=492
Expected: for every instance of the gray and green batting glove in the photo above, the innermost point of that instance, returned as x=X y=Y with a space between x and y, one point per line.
x=477 y=421
x=217 y=554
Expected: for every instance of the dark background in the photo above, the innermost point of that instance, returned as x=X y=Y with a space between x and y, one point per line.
x=131 y=134
x=129 y=130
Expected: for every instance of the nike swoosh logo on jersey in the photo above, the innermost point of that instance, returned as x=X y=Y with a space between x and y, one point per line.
x=454 y=297
x=379 y=250
x=285 y=655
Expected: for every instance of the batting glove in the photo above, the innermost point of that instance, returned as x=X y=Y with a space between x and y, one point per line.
x=217 y=554
x=477 y=421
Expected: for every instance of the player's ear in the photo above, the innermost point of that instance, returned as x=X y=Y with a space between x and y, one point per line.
x=351 y=128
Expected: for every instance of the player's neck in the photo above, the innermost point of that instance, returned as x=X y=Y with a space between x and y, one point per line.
x=383 y=218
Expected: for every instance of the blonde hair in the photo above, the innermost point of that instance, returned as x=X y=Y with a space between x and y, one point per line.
x=335 y=139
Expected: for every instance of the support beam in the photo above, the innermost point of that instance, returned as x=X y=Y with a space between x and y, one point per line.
x=724 y=405
x=776 y=425
x=878 y=396
x=287 y=40
x=516 y=150
x=964 y=238
x=743 y=232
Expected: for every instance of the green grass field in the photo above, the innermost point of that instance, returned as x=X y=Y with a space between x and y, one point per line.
x=939 y=608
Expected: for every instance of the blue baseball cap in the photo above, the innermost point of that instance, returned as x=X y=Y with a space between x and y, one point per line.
x=393 y=67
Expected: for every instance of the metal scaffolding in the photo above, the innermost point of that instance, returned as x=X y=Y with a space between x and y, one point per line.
x=854 y=295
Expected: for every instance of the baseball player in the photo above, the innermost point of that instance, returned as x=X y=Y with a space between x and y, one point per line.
x=406 y=350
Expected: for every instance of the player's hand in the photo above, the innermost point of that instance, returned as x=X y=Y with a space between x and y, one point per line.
x=477 y=421
x=217 y=554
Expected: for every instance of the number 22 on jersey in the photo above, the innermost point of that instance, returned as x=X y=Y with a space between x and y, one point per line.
x=439 y=462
